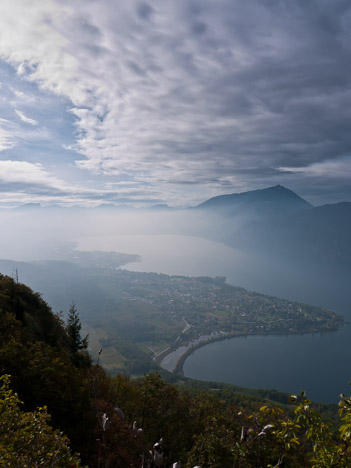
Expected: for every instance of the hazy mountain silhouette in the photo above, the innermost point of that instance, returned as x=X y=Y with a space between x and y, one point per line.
x=272 y=201
x=323 y=233
x=28 y=206
x=161 y=207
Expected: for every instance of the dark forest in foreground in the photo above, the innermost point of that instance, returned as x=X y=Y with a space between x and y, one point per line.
x=116 y=421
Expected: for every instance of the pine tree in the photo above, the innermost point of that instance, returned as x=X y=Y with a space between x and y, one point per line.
x=75 y=341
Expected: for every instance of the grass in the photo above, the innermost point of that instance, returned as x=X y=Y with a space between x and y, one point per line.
x=112 y=359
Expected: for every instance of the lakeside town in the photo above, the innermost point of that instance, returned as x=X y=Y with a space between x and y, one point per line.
x=160 y=313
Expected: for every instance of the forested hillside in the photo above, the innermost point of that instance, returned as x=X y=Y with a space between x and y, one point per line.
x=119 y=422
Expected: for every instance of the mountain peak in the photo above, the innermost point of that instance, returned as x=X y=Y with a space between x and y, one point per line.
x=276 y=200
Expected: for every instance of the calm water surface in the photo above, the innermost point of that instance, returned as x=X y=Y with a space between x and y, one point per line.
x=318 y=364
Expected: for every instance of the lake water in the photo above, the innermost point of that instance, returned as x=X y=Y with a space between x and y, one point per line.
x=319 y=364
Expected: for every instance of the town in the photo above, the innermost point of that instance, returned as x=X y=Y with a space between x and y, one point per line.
x=158 y=313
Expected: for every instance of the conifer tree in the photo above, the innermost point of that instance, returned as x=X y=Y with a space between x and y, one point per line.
x=73 y=328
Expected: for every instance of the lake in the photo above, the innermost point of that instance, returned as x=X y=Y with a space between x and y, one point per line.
x=319 y=364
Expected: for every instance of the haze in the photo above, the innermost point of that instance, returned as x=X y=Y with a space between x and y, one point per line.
x=186 y=242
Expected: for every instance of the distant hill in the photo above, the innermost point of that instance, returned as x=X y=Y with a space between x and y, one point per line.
x=161 y=207
x=28 y=206
x=272 y=201
x=323 y=232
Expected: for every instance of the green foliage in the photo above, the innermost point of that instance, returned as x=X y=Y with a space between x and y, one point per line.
x=27 y=439
x=165 y=414
x=40 y=362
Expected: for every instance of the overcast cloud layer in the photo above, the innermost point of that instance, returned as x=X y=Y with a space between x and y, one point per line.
x=173 y=101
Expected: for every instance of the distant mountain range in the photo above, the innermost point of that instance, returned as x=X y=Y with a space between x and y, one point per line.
x=269 y=201
x=103 y=207
x=273 y=221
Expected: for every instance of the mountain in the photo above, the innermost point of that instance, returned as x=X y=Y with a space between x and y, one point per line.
x=28 y=206
x=272 y=201
x=322 y=233
x=105 y=206
x=276 y=222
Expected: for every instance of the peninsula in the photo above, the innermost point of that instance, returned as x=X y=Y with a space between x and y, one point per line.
x=159 y=314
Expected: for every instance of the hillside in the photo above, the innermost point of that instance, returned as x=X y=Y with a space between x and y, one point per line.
x=35 y=349
x=114 y=421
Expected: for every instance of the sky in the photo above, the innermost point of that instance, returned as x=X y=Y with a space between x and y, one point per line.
x=173 y=101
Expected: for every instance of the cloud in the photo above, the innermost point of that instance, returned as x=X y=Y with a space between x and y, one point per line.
x=28 y=182
x=26 y=119
x=191 y=93
x=23 y=172
x=7 y=136
x=339 y=169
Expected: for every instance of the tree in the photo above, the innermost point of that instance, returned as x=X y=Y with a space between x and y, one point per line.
x=73 y=327
x=26 y=438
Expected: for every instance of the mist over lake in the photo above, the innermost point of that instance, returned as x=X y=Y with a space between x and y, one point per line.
x=245 y=239
x=196 y=256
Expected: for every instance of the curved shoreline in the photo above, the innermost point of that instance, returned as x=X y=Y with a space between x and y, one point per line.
x=193 y=345
x=208 y=339
x=178 y=370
